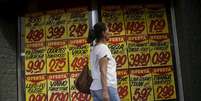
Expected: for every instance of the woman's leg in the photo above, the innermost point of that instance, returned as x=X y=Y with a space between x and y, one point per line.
x=97 y=95
x=113 y=93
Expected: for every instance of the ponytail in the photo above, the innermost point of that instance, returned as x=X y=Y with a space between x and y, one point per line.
x=91 y=36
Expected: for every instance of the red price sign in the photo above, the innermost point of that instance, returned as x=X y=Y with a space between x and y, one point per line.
x=164 y=92
x=141 y=94
x=59 y=96
x=79 y=63
x=35 y=35
x=78 y=96
x=38 y=97
x=161 y=58
x=135 y=27
x=115 y=28
x=35 y=66
x=123 y=91
x=157 y=25
x=121 y=60
x=78 y=30
x=55 y=32
x=139 y=59
x=56 y=65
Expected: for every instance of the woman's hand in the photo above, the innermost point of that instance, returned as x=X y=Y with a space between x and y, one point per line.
x=105 y=95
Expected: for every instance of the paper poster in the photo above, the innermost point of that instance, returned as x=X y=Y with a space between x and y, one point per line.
x=57 y=61
x=117 y=46
x=58 y=87
x=123 y=85
x=35 y=58
x=112 y=16
x=156 y=19
x=141 y=85
x=138 y=51
x=164 y=85
x=35 y=86
x=77 y=22
x=135 y=20
x=34 y=29
x=79 y=53
x=75 y=95
x=55 y=25
x=160 y=49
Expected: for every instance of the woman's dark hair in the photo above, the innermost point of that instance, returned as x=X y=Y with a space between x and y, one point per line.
x=96 y=32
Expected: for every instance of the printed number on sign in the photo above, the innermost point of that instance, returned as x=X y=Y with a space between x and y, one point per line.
x=38 y=97
x=165 y=91
x=121 y=60
x=115 y=27
x=79 y=62
x=78 y=30
x=123 y=91
x=59 y=96
x=35 y=66
x=77 y=96
x=57 y=64
x=135 y=27
x=161 y=58
x=35 y=35
x=157 y=25
x=141 y=94
x=55 y=32
x=139 y=59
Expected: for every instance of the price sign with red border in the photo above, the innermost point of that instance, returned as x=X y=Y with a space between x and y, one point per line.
x=160 y=50
x=141 y=85
x=164 y=85
x=34 y=29
x=123 y=85
x=157 y=19
x=78 y=26
x=117 y=45
x=135 y=20
x=58 y=87
x=55 y=25
x=138 y=51
x=57 y=61
x=35 y=58
x=112 y=16
x=79 y=53
x=35 y=86
x=75 y=95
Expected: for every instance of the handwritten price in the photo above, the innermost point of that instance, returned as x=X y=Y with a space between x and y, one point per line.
x=77 y=96
x=78 y=30
x=35 y=35
x=59 y=96
x=161 y=58
x=165 y=91
x=115 y=27
x=57 y=64
x=79 y=62
x=121 y=60
x=34 y=19
x=35 y=66
x=139 y=59
x=157 y=25
x=38 y=97
x=135 y=27
x=55 y=32
x=123 y=91
x=141 y=94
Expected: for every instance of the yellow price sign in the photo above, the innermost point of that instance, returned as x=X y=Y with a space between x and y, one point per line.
x=57 y=61
x=36 y=88
x=141 y=85
x=56 y=25
x=112 y=16
x=164 y=84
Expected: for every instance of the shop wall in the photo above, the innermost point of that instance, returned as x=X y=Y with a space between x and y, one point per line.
x=8 y=82
x=188 y=22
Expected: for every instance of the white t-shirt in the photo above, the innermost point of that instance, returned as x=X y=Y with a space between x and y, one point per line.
x=99 y=51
